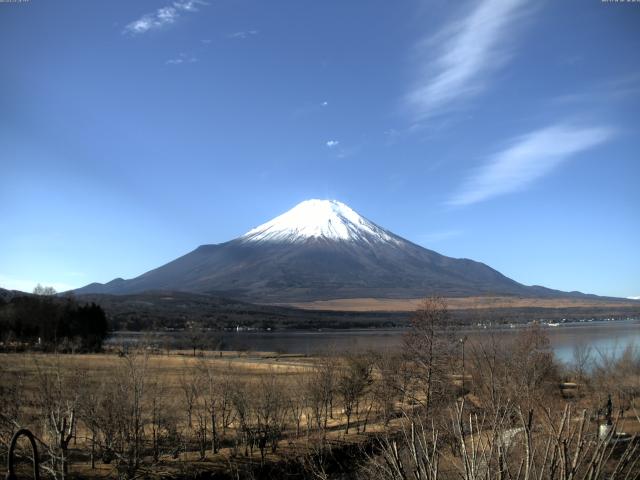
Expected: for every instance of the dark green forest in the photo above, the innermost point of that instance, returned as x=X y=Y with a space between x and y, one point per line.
x=51 y=323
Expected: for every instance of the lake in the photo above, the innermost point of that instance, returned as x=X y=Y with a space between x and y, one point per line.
x=610 y=337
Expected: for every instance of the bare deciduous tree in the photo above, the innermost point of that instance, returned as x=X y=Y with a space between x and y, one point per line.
x=57 y=399
x=582 y=360
x=390 y=384
x=11 y=406
x=532 y=372
x=320 y=391
x=428 y=345
x=120 y=415
x=298 y=399
x=354 y=377
x=489 y=367
x=44 y=291
x=567 y=449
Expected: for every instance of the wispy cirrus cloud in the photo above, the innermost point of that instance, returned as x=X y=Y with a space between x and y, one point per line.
x=455 y=63
x=603 y=92
x=243 y=34
x=340 y=150
x=182 y=58
x=527 y=159
x=162 y=17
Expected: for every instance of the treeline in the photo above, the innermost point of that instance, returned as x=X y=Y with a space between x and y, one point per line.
x=157 y=311
x=173 y=311
x=50 y=323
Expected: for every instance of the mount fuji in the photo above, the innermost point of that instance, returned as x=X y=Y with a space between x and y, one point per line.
x=321 y=250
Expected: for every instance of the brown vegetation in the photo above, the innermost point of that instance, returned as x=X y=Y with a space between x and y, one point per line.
x=442 y=407
x=460 y=303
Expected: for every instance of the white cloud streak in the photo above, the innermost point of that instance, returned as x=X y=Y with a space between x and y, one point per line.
x=162 y=17
x=466 y=52
x=527 y=159
x=182 y=58
x=332 y=143
x=243 y=34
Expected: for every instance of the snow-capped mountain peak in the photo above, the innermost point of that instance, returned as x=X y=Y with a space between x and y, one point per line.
x=321 y=250
x=320 y=219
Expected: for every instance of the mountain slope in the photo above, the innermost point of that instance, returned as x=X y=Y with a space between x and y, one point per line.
x=320 y=249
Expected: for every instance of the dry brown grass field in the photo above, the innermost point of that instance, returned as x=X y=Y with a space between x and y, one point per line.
x=457 y=303
x=173 y=372
x=175 y=414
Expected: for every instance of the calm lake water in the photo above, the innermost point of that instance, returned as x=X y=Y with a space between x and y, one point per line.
x=605 y=337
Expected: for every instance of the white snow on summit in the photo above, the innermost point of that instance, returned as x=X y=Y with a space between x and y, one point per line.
x=328 y=219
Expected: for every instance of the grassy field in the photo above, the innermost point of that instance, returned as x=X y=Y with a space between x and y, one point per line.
x=466 y=303
x=170 y=392
x=169 y=377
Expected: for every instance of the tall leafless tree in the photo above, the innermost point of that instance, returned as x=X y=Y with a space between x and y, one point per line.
x=429 y=347
x=57 y=399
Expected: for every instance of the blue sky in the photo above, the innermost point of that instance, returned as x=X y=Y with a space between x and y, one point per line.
x=500 y=130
